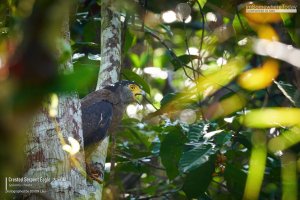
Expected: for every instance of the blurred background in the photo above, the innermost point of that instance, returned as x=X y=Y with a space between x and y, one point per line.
x=221 y=117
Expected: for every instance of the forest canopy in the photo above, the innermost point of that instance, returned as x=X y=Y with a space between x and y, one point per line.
x=220 y=118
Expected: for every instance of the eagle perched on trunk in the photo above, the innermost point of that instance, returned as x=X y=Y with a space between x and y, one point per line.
x=103 y=109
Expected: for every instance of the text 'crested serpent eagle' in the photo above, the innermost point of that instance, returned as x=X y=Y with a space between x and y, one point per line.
x=103 y=109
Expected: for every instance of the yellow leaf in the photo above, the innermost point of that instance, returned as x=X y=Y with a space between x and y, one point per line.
x=271 y=117
x=260 y=77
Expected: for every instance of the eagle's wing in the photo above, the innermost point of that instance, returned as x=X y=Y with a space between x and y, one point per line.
x=96 y=119
x=100 y=95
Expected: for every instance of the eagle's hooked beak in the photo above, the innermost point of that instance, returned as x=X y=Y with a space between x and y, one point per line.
x=136 y=91
x=141 y=92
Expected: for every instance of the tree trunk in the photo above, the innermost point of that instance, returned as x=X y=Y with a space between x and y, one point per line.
x=63 y=174
x=109 y=73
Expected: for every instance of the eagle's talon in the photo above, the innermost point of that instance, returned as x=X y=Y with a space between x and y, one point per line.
x=95 y=177
x=94 y=173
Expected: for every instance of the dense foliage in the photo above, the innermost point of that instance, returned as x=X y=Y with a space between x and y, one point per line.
x=221 y=117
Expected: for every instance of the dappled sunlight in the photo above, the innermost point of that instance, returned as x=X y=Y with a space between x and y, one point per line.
x=211 y=17
x=169 y=16
x=183 y=12
x=134 y=111
x=221 y=61
x=131 y=110
x=207 y=85
x=73 y=147
x=158 y=97
x=188 y=116
x=192 y=51
x=224 y=90
x=53 y=106
x=217 y=115
x=156 y=72
x=188 y=19
x=223 y=33
x=243 y=41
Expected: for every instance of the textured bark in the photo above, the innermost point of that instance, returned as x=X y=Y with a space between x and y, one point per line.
x=109 y=73
x=45 y=155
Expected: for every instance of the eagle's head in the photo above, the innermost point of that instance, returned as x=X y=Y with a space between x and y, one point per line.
x=127 y=90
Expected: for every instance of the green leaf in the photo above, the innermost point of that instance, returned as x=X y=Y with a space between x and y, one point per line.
x=240 y=25
x=151 y=189
x=171 y=150
x=130 y=40
x=132 y=167
x=139 y=61
x=221 y=138
x=202 y=2
x=135 y=60
x=198 y=180
x=83 y=77
x=130 y=75
x=182 y=60
x=195 y=132
x=89 y=33
x=196 y=157
x=187 y=58
x=244 y=138
x=289 y=24
x=168 y=98
x=235 y=179
x=144 y=58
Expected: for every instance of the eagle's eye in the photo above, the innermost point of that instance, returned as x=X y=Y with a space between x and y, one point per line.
x=132 y=87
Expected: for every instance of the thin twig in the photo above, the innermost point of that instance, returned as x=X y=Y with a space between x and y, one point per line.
x=172 y=53
x=202 y=35
x=188 y=49
x=169 y=49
